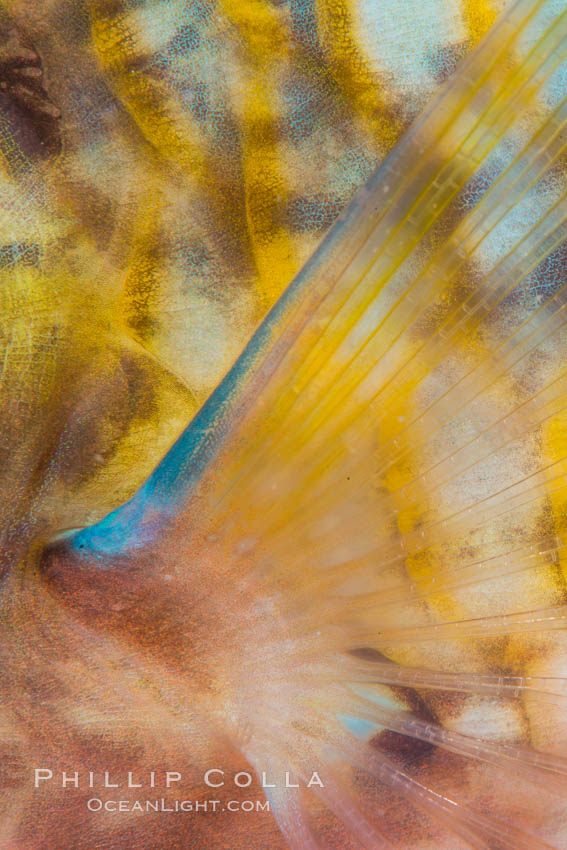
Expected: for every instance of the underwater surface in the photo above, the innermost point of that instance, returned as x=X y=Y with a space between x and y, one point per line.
x=283 y=423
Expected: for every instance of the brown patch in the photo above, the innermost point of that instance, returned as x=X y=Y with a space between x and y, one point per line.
x=33 y=116
x=366 y=653
x=404 y=749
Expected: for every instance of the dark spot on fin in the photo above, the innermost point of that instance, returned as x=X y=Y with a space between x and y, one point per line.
x=366 y=653
x=404 y=749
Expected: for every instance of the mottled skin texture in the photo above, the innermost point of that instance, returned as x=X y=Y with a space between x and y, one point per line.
x=166 y=169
